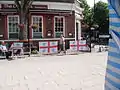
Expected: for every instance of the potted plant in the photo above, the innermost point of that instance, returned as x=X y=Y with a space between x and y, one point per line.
x=34 y=26
x=21 y=26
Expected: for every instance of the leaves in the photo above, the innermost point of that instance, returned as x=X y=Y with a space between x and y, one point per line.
x=87 y=12
x=101 y=15
x=98 y=16
x=101 y=12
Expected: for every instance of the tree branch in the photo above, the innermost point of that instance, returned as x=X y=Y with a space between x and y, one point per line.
x=17 y=4
x=28 y=4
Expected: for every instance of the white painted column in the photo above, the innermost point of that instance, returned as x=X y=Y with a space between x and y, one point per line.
x=75 y=30
x=78 y=20
x=79 y=28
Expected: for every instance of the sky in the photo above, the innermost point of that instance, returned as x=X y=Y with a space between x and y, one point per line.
x=91 y=2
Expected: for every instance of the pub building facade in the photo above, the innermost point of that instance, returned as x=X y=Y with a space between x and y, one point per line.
x=53 y=18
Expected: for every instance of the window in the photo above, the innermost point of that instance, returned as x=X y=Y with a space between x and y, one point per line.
x=37 y=32
x=13 y=27
x=59 y=26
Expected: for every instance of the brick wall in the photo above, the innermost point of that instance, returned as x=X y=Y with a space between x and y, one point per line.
x=70 y=25
x=3 y=27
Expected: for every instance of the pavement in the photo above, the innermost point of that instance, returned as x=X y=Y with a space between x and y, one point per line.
x=85 y=71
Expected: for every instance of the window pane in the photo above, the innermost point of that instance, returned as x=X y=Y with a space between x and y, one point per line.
x=37 y=33
x=13 y=35
x=13 y=27
x=58 y=34
x=59 y=26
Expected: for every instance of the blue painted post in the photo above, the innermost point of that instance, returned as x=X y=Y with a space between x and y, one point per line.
x=112 y=79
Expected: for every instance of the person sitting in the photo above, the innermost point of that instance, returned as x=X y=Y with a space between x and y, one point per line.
x=18 y=52
x=2 y=53
x=4 y=50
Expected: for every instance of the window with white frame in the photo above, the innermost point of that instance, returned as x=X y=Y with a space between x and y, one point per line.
x=13 y=27
x=37 y=32
x=59 y=25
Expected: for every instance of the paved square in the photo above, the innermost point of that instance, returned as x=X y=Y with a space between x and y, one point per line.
x=75 y=72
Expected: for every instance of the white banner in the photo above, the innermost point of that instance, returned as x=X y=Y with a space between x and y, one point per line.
x=82 y=45
x=78 y=45
x=16 y=44
x=48 y=47
x=53 y=47
x=73 y=45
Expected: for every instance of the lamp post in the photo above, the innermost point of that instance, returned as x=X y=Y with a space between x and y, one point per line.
x=94 y=12
x=92 y=28
x=28 y=35
x=94 y=5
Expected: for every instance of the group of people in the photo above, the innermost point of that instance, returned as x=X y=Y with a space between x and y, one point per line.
x=5 y=52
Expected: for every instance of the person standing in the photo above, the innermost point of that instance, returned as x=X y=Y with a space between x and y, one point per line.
x=62 y=44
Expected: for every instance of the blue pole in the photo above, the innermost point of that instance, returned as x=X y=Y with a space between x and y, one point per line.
x=112 y=79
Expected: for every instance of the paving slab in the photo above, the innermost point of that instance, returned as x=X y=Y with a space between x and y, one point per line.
x=69 y=72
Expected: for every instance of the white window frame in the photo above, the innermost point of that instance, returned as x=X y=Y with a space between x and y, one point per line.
x=63 y=25
x=8 y=23
x=42 y=25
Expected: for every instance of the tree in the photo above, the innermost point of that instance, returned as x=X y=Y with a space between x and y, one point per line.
x=23 y=10
x=87 y=12
x=97 y=16
x=101 y=14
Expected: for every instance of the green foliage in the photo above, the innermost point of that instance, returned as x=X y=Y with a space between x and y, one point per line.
x=34 y=51
x=101 y=12
x=97 y=15
x=101 y=15
x=87 y=12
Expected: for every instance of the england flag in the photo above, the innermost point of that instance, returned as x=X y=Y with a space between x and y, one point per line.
x=73 y=45
x=53 y=47
x=43 y=47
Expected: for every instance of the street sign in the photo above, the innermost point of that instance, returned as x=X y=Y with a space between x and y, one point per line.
x=104 y=36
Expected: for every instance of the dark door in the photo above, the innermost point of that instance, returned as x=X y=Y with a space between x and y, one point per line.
x=77 y=26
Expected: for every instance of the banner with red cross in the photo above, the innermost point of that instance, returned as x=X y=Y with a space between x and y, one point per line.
x=78 y=45
x=46 y=47
x=82 y=45
x=73 y=45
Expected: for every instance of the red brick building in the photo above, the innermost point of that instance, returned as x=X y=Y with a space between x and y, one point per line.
x=53 y=17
